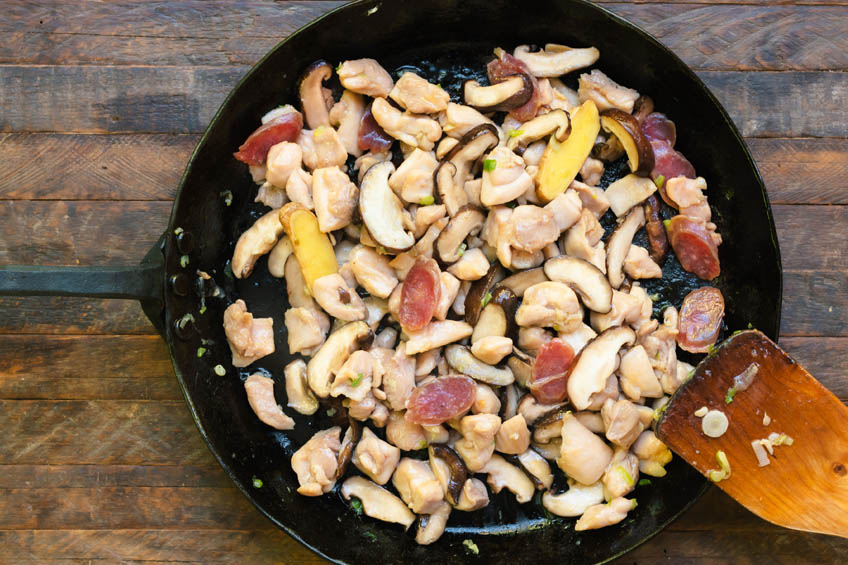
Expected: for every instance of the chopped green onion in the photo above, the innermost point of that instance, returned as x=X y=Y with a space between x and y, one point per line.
x=486 y=300
x=633 y=504
x=731 y=392
x=750 y=326
x=201 y=351
x=516 y=132
x=185 y=320
x=257 y=483
x=427 y=200
x=339 y=66
x=202 y=310
x=228 y=197
x=462 y=249
x=422 y=444
x=178 y=231
x=666 y=223
x=184 y=261
x=723 y=462
x=626 y=475
x=331 y=412
x=356 y=504
x=381 y=250
x=659 y=181
x=659 y=412
x=471 y=546
x=228 y=270
x=490 y=164
x=644 y=482
x=368 y=535
x=356 y=380
x=220 y=370
x=717 y=475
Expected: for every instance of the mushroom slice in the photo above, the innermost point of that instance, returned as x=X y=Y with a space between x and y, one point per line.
x=349 y=441
x=260 y=396
x=377 y=502
x=521 y=281
x=258 y=240
x=467 y=221
x=619 y=244
x=575 y=500
x=452 y=194
x=432 y=526
x=462 y=360
x=471 y=147
x=449 y=470
x=556 y=60
x=640 y=154
x=298 y=393
x=478 y=291
x=504 y=96
x=556 y=122
x=382 y=211
x=603 y=515
x=584 y=278
x=312 y=98
x=436 y=334
x=521 y=370
x=629 y=191
x=502 y=474
x=538 y=468
x=332 y=355
x=593 y=366
x=278 y=257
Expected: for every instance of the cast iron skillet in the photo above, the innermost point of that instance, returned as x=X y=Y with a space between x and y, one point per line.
x=445 y=40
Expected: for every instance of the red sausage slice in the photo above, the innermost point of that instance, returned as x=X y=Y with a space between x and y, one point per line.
x=506 y=66
x=657 y=127
x=550 y=372
x=700 y=319
x=669 y=163
x=420 y=294
x=694 y=247
x=440 y=400
x=254 y=150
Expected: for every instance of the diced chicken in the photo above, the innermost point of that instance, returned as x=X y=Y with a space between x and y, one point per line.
x=425 y=216
x=621 y=474
x=377 y=502
x=353 y=380
x=593 y=198
x=661 y=347
x=538 y=468
x=368 y=160
x=513 y=436
x=375 y=457
x=486 y=401
x=365 y=76
x=283 y=159
x=474 y=496
x=592 y=421
x=603 y=515
x=404 y=434
x=507 y=180
x=436 y=334
x=298 y=393
x=259 y=239
x=478 y=440
x=503 y=475
x=532 y=228
x=459 y=120
x=492 y=349
x=637 y=375
x=414 y=130
x=271 y=196
x=688 y=196
x=299 y=188
x=307 y=328
x=337 y=299
x=419 y=96
x=583 y=455
x=550 y=304
x=609 y=392
x=417 y=486
x=639 y=265
x=583 y=240
x=566 y=209
x=523 y=260
x=316 y=463
x=346 y=272
x=425 y=363
x=432 y=526
x=399 y=379
x=532 y=339
x=372 y=271
x=322 y=148
x=471 y=266
x=575 y=500
x=436 y=434
x=386 y=338
x=249 y=338
x=413 y=179
x=592 y=171
x=335 y=198
x=362 y=410
x=449 y=289
x=347 y=115
x=621 y=422
x=260 y=396
x=605 y=93
x=653 y=454
x=627 y=308
x=296 y=286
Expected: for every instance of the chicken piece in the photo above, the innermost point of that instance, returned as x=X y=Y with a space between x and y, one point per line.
x=271 y=196
x=296 y=290
x=653 y=454
x=346 y=272
x=688 y=196
x=507 y=180
x=477 y=443
x=363 y=409
x=532 y=339
x=425 y=216
x=621 y=474
x=372 y=271
x=538 y=468
x=307 y=328
x=523 y=260
x=503 y=475
x=592 y=171
x=449 y=290
x=403 y=433
x=365 y=76
x=249 y=338
x=513 y=436
x=486 y=401
x=260 y=396
x=566 y=209
x=583 y=240
x=337 y=299
x=593 y=198
x=375 y=457
x=414 y=130
x=413 y=179
x=417 y=95
x=471 y=266
x=661 y=347
x=283 y=159
x=399 y=378
x=550 y=304
x=316 y=463
x=603 y=515
x=259 y=239
x=459 y=120
x=532 y=228
x=474 y=496
x=257 y=173
x=298 y=392
x=432 y=526
x=299 y=188
x=436 y=334
x=335 y=198
x=637 y=375
x=386 y=338
x=353 y=379
x=417 y=486
x=621 y=422
x=605 y=93
x=322 y=148
x=575 y=500
x=492 y=349
x=627 y=308
x=426 y=362
x=347 y=115
x=639 y=265
x=458 y=305
x=583 y=455
x=609 y=392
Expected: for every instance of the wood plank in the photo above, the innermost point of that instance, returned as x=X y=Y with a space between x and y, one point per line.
x=183 y=99
x=96 y=476
x=827 y=252
x=92 y=167
x=814 y=304
x=824 y=357
x=57 y=315
x=100 y=432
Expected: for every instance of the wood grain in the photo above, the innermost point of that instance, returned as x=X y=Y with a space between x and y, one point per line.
x=95 y=476
x=57 y=315
x=802 y=171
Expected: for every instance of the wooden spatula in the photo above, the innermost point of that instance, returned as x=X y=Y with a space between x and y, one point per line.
x=805 y=486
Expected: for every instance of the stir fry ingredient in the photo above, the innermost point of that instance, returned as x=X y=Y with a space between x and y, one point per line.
x=451 y=287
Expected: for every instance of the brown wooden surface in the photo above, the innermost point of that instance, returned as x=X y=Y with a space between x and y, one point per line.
x=101 y=104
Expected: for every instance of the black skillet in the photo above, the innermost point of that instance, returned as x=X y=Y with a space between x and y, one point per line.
x=446 y=40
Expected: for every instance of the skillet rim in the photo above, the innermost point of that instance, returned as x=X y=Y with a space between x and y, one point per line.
x=370 y=4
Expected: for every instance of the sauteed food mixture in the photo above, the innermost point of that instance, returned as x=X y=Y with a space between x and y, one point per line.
x=452 y=292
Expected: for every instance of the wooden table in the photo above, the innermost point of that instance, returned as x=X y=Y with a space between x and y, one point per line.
x=101 y=104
